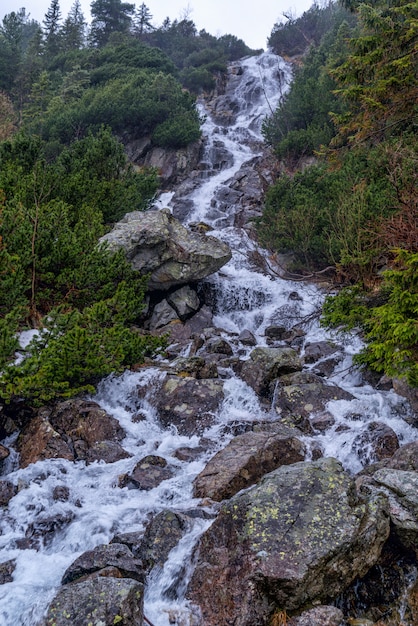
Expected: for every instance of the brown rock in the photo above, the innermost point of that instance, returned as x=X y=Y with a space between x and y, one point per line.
x=378 y=441
x=7 y=491
x=104 y=556
x=39 y=441
x=245 y=460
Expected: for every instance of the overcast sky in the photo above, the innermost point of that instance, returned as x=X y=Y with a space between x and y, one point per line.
x=250 y=20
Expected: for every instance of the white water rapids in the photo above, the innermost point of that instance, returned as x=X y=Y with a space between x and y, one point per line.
x=246 y=299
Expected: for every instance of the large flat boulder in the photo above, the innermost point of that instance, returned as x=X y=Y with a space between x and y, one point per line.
x=301 y=535
x=245 y=460
x=156 y=243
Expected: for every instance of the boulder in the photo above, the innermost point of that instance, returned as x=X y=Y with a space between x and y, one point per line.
x=301 y=535
x=113 y=555
x=378 y=441
x=172 y=165
x=247 y=338
x=6 y=571
x=147 y=474
x=315 y=351
x=161 y=535
x=4 y=453
x=73 y=430
x=7 y=491
x=162 y=315
x=184 y=301
x=188 y=403
x=157 y=244
x=301 y=394
x=245 y=460
x=267 y=364
x=44 y=529
x=39 y=441
x=104 y=601
x=401 y=489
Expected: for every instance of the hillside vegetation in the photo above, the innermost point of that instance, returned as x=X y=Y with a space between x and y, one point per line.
x=69 y=96
x=351 y=115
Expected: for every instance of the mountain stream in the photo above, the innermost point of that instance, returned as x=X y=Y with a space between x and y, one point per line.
x=245 y=298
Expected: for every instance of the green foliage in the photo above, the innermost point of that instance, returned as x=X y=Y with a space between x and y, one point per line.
x=293 y=36
x=53 y=273
x=75 y=349
x=302 y=122
x=327 y=216
x=391 y=327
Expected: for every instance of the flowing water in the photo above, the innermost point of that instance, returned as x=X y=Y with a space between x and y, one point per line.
x=246 y=298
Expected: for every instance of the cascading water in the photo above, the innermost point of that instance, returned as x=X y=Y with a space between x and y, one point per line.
x=245 y=298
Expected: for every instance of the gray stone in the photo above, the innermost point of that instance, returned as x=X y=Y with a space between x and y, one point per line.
x=301 y=535
x=187 y=403
x=99 y=602
x=267 y=364
x=162 y=315
x=107 y=555
x=245 y=460
x=157 y=244
x=184 y=301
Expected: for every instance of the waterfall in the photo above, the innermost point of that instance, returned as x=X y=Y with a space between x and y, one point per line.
x=244 y=298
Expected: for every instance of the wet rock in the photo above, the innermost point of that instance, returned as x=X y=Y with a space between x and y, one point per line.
x=378 y=441
x=405 y=458
x=4 y=453
x=173 y=165
x=315 y=351
x=267 y=364
x=275 y=332
x=162 y=315
x=184 y=301
x=410 y=393
x=401 y=489
x=107 y=451
x=61 y=493
x=7 y=491
x=44 y=529
x=302 y=394
x=245 y=460
x=188 y=454
x=161 y=535
x=39 y=441
x=147 y=474
x=381 y=596
x=107 y=555
x=217 y=345
x=104 y=601
x=6 y=571
x=322 y=421
x=247 y=338
x=195 y=367
x=183 y=333
x=326 y=367
x=318 y=616
x=157 y=244
x=300 y=535
x=188 y=404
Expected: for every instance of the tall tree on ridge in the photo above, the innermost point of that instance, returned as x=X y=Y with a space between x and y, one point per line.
x=52 y=28
x=109 y=16
x=143 y=20
x=74 y=27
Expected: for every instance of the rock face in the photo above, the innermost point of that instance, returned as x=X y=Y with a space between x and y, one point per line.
x=158 y=244
x=104 y=601
x=300 y=535
x=245 y=460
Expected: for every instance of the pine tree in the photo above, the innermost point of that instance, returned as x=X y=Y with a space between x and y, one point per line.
x=74 y=28
x=52 y=28
x=143 y=20
x=109 y=16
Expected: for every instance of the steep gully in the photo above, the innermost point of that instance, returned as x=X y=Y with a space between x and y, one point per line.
x=243 y=297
